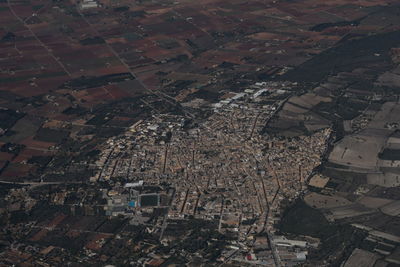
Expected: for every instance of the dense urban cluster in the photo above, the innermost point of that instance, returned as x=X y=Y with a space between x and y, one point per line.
x=221 y=169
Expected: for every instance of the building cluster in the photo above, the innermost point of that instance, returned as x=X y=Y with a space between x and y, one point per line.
x=87 y=4
x=221 y=170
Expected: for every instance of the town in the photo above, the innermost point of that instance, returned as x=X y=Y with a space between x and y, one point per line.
x=221 y=169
